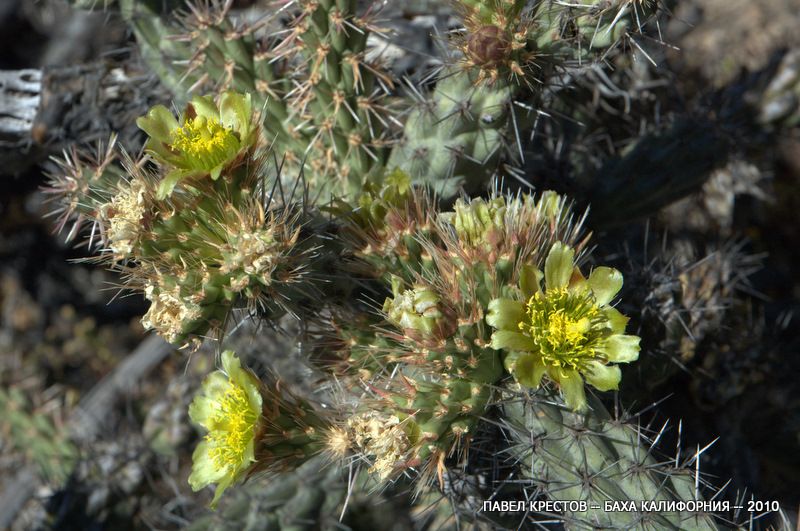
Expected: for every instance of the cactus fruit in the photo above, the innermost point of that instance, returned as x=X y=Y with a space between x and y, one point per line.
x=496 y=40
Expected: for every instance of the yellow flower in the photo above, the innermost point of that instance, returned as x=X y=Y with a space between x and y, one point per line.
x=567 y=331
x=205 y=140
x=229 y=407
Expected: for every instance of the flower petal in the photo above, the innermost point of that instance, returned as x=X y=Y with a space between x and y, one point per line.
x=528 y=370
x=603 y=377
x=577 y=282
x=167 y=185
x=242 y=378
x=615 y=318
x=508 y=340
x=621 y=348
x=605 y=283
x=158 y=123
x=204 y=106
x=505 y=314
x=223 y=484
x=201 y=410
x=216 y=171
x=571 y=384
x=157 y=147
x=558 y=266
x=251 y=384
x=530 y=281
x=510 y=360
x=230 y=363
x=234 y=111
x=215 y=385
x=204 y=470
x=239 y=376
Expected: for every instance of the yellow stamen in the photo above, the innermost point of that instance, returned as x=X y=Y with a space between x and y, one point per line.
x=233 y=423
x=205 y=142
x=566 y=326
x=561 y=329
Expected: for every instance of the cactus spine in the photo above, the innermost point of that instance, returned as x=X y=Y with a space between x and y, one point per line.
x=595 y=458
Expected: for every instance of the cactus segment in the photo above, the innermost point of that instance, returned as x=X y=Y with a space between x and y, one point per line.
x=594 y=458
x=455 y=141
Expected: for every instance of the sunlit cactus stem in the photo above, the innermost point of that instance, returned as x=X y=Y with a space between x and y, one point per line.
x=455 y=140
x=338 y=106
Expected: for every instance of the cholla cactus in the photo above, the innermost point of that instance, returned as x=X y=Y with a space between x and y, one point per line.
x=430 y=316
x=496 y=39
x=202 y=234
x=196 y=253
x=437 y=341
x=326 y=106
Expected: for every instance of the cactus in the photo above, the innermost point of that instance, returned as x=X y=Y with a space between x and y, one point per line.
x=311 y=497
x=151 y=34
x=456 y=139
x=325 y=105
x=203 y=233
x=251 y=425
x=509 y=53
x=596 y=458
x=322 y=100
x=439 y=341
x=426 y=315
x=194 y=265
